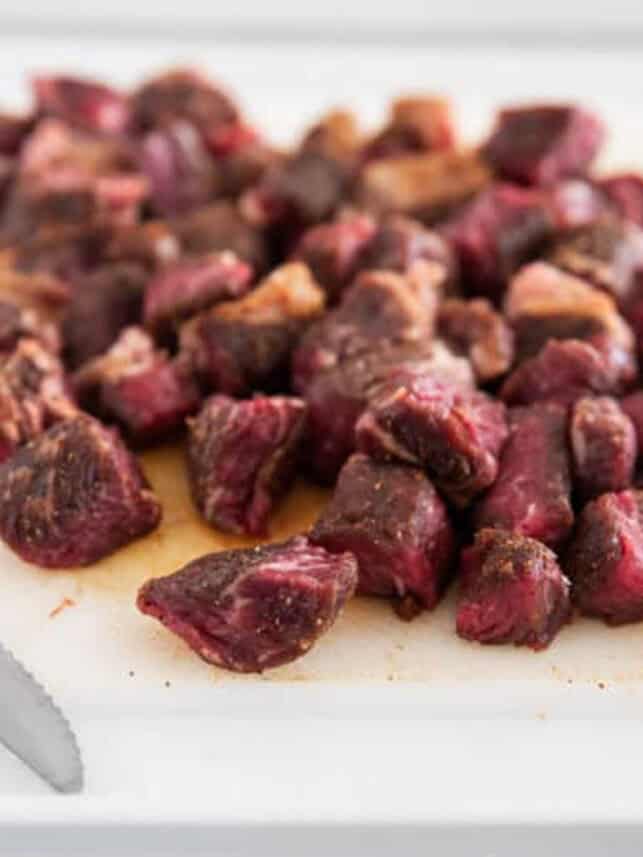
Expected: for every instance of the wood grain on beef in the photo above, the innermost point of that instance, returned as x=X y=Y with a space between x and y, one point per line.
x=74 y=495
x=391 y=518
x=243 y=457
x=605 y=558
x=475 y=329
x=511 y=591
x=532 y=493
x=250 y=610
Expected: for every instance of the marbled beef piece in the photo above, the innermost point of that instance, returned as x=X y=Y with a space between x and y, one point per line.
x=13 y=130
x=181 y=172
x=454 y=432
x=33 y=394
x=74 y=495
x=416 y=124
x=400 y=241
x=495 y=234
x=391 y=518
x=632 y=405
x=152 y=244
x=253 y=609
x=427 y=186
x=337 y=397
x=381 y=309
x=191 y=285
x=540 y=144
x=219 y=227
x=336 y=135
x=544 y=304
x=244 y=345
x=511 y=591
x=604 y=560
x=243 y=457
x=625 y=193
x=574 y=203
x=475 y=329
x=562 y=371
x=332 y=251
x=182 y=94
x=603 y=446
x=82 y=103
x=23 y=322
x=242 y=166
x=104 y=303
x=531 y=495
x=138 y=387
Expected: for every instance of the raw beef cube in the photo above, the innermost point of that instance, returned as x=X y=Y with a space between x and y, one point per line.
x=633 y=407
x=120 y=197
x=605 y=558
x=607 y=253
x=544 y=303
x=453 y=432
x=337 y=397
x=603 y=446
x=381 y=309
x=475 y=329
x=399 y=242
x=426 y=186
x=7 y=173
x=540 y=144
x=151 y=244
x=33 y=395
x=253 y=609
x=242 y=345
x=105 y=302
x=391 y=518
x=242 y=167
x=138 y=387
x=13 y=130
x=242 y=458
x=180 y=170
x=218 y=227
x=511 y=591
x=181 y=94
x=495 y=234
x=332 y=251
x=336 y=135
x=192 y=285
x=74 y=495
x=22 y=322
x=574 y=203
x=531 y=495
x=625 y=193
x=416 y=124
x=83 y=103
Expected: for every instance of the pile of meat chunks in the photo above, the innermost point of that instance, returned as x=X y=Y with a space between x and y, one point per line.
x=447 y=335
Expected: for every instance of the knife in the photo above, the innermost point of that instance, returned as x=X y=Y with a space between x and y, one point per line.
x=34 y=728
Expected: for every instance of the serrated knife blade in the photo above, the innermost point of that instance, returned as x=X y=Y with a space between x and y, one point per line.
x=35 y=729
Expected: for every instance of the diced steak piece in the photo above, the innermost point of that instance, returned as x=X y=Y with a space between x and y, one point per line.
x=337 y=397
x=219 y=227
x=625 y=193
x=381 y=309
x=605 y=558
x=475 y=329
x=22 y=322
x=242 y=458
x=400 y=241
x=633 y=407
x=7 y=174
x=495 y=234
x=181 y=94
x=242 y=345
x=416 y=124
x=192 y=285
x=13 y=130
x=426 y=186
x=391 y=518
x=242 y=167
x=180 y=170
x=603 y=446
x=607 y=253
x=544 y=303
x=74 y=495
x=540 y=144
x=151 y=244
x=574 y=203
x=455 y=433
x=105 y=302
x=531 y=495
x=332 y=251
x=83 y=103
x=511 y=591
x=253 y=609
x=138 y=387
x=336 y=135
x=33 y=395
